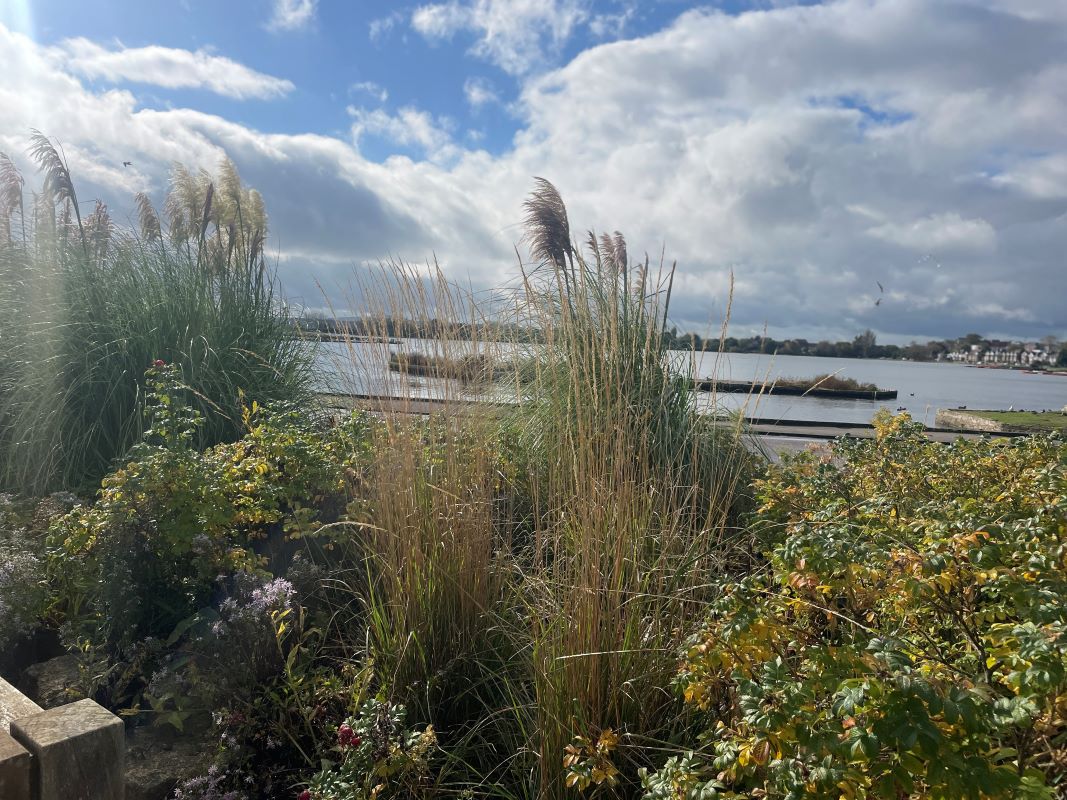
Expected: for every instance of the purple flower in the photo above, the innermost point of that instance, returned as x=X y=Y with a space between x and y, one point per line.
x=274 y=596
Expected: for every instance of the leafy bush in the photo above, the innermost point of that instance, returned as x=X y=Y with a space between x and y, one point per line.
x=378 y=757
x=907 y=636
x=147 y=553
x=261 y=666
x=25 y=594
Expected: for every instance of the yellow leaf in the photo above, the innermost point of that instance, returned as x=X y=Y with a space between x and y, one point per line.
x=608 y=739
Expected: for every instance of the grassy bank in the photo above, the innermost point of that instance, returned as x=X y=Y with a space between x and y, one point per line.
x=1026 y=420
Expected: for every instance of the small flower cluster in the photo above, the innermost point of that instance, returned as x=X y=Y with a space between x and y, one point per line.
x=208 y=787
x=255 y=608
x=277 y=595
x=22 y=592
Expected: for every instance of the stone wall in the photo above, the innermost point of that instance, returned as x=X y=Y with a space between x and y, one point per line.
x=961 y=420
x=74 y=751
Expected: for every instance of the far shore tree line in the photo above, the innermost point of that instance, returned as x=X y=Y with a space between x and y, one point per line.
x=863 y=345
x=1047 y=351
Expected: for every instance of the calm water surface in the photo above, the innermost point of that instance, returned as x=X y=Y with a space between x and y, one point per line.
x=922 y=387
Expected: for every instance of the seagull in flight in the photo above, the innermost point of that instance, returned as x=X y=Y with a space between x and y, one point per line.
x=127 y=163
x=880 y=289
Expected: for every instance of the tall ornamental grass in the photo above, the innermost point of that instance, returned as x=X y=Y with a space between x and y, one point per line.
x=635 y=498
x=531 y=567
x=86 y=307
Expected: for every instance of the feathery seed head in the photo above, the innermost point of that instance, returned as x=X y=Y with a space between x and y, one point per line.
x=548 y=231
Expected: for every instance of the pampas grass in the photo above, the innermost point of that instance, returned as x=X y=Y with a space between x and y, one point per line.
x=531 y=567
x=86 y=307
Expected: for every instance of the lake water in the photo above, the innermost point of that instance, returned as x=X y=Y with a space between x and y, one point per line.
x=922 y=387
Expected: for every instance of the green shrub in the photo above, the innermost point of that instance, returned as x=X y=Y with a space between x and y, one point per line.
x=146 y=554
x=907 y=636
x=377 y=756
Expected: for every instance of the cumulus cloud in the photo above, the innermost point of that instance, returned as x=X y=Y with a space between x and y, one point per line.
x=479 y=92
x=169 y=67
x=292 y=15
x=915 y=144
x=407 y=128
x=516 y=35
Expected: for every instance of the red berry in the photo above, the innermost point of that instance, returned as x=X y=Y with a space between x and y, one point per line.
x=304 y=795
x=159 y=362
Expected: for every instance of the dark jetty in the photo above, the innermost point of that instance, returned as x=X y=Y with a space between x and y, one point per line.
x=749 y=387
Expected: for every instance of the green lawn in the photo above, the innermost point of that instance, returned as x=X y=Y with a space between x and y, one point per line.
x=1027 y=420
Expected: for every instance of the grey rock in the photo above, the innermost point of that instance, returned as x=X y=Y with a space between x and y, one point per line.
x=157 y=760
x=54 y=682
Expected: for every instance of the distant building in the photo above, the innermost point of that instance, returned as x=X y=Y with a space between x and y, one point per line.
x=1000 y=353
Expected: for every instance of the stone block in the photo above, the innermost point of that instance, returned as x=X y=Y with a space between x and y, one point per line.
x=79 y=750
x=14 y=704
x=15 y=767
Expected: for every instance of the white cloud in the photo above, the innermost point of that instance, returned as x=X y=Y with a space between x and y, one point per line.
x=1042 y=176
x=479 y=92
x=937 y=233
x=409 y=127
x=170 y=68
x=612 y=26
x=292 y=15
x=690 y=139
x=516 y=35
x=441 y=20
x=381 y=27
x=375 y=90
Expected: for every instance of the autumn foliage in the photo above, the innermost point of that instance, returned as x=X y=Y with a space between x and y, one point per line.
x=906 y=636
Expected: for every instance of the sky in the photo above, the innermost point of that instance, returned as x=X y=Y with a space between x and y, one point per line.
x=805 y=152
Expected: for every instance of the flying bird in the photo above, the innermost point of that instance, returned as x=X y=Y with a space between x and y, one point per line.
x=127 y=163
x=878 y=302
x=880 y=289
